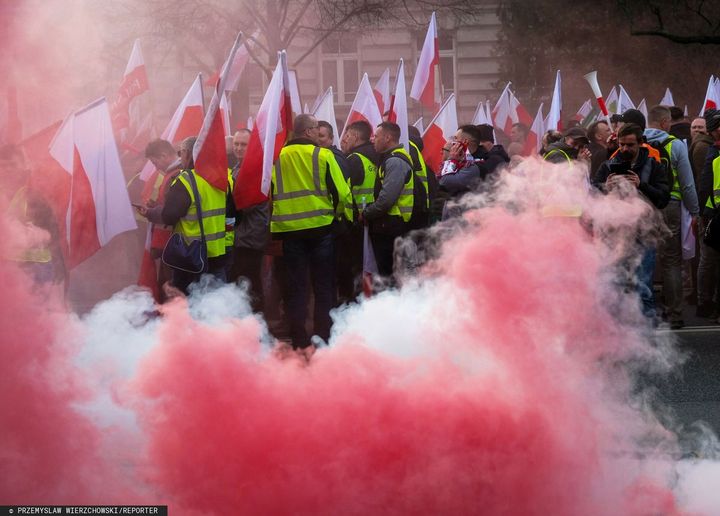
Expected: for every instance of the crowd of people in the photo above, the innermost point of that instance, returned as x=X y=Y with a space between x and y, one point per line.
x=325 y=204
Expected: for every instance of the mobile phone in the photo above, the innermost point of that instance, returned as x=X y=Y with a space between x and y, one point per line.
x=622 y=168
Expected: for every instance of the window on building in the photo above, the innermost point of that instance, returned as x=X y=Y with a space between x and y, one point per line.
x=340 y=67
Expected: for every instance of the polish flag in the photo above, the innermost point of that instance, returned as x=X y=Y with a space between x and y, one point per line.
x=642 y=107
x=667 y=99
x=439 y=132
x=518 y=113
x=209 y=152
x=148 y=277
x=186 y=121
x=364 y=107
x=133 y=84
x=537 y=130
x=398 y=111
x=712 y=98
x=382 y=91
x=419 y=125
x=326 y=111
x=424 y=88
x=554 y=118
x=501 y=112
x=270 y=129
x=242 y=56
x=99 y=207
x=624 y=101
x=225 y=111
x=294 y=94
x=480 y=116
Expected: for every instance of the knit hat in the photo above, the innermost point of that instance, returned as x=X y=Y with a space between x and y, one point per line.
x=712 y=119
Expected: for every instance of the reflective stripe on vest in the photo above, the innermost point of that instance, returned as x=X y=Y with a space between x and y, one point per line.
x=556 y=151
x=19 y=208
x=716 y=185
x=421 y=170
x=675 y=190
x=230 y=221
x=404 y=204
x=213 y=204
x=300 y=196
x=364 y=193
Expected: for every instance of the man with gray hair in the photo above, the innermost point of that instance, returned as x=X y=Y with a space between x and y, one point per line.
x=682 y=190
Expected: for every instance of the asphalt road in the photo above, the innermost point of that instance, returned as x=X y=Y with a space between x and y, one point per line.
x=692 y=393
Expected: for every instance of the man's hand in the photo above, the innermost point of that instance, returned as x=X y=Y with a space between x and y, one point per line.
x=457 y=151
x=695 y=225
x=585 y=154
x=614 y=180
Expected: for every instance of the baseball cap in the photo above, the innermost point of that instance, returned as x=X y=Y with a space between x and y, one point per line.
x=577 y=133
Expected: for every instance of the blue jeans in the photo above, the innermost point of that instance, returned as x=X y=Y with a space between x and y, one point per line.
x=644 y=273
x=315 y=256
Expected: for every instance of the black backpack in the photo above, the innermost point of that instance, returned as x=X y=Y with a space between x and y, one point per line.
x=664 y=157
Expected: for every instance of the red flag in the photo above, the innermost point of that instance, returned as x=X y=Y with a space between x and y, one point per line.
x=269 y=131
x=133 y=84
x=423 y=87
x=99 y=207
x=209 y=152
x=439 y=132
x=364 y=107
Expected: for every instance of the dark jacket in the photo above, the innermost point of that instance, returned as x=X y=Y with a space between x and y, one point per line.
x=397 y=171
x=252 y=225
x=491 y=159
x=457 y=185
x=341 y=161
x=654 y=184
x=599 y=156
x=705 y=185
x=559 y=157
x=698 y=152
x=355 y=167
x=681 y=130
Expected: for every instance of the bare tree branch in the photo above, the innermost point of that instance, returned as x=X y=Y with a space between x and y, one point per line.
x=677 y=38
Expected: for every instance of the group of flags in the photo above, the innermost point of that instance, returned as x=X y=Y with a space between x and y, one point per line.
x=93 y=203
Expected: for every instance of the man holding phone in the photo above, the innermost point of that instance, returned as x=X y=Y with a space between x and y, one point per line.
x=633 y=165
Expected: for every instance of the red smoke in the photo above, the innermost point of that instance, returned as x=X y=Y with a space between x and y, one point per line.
x=509 y=399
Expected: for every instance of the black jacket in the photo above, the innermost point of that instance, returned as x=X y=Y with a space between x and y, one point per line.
x=705 y=185
x=654 y=183
x=491 y=160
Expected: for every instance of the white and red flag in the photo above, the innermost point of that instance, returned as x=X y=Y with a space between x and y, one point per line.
x=209 y=152
x=554 y=118
x=518 y=113
x=235 y=70
x=612 y=101
x=419 y=125
x=439 y=132
x=270 y=129
x=325 y=110
x=364 y=107
x=382 y=91
x=480 y=116
x=398 y=112
x=537 y=130
x=667 y=99
x=425 y=84
x=500 y=115
x=712 y=95
x=99 y=207
x=186 y=121
x=133 y=84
